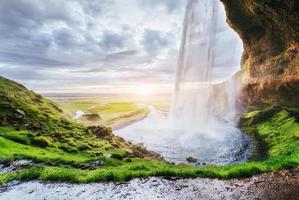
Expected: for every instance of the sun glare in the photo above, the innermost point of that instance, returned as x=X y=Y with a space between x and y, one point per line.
x=144 y=91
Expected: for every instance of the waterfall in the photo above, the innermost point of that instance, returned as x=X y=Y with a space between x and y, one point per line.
x=196 y=99
x=202 y=116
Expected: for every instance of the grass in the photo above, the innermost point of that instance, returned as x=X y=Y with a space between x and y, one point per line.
x=279 y=131
x=12 y=150
x=111 y=112
x=100 y=108
x=23 y=108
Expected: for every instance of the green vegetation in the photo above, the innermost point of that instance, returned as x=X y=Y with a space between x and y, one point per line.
x=279 y=131
x=109 y=111
x=101 y=108
x=25 y=109
x=35 y=128
x=65 y=151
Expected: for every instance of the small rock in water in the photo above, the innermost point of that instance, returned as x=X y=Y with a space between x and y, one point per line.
x=191 y=159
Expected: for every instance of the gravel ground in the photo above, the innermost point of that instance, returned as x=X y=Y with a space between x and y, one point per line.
x=280 y=185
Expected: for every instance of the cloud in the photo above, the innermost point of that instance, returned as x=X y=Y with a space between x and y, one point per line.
x=113 y=41
x=170 y=5
x=56 y=43
x=65 y=38
x=155 y=41
x=23 y=59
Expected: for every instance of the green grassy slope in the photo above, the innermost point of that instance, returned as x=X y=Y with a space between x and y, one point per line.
x=22 y=108
x=34 y=127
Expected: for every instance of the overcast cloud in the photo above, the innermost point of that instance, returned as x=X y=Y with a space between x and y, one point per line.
x=63 y=44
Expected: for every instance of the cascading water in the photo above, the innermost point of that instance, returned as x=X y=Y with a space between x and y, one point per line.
x=202 y=115
x=196 y=59
x=194 y=106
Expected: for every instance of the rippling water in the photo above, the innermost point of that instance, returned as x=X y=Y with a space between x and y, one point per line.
x=223 y=145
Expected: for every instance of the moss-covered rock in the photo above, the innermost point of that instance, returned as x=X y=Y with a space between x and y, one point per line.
x=68 y=148
x=191 y=159
x=42 y=141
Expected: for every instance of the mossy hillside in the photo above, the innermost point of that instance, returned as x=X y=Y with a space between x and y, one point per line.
x=16 y=144
x=28 y=118
x=277 y=127
x=24 y=109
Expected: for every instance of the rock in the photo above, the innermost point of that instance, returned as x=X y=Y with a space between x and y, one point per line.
x=92 y=117
x=191 y=159
x=100 y=131
x=35 y=126
x=270 y=64
x=107 y=155
x=92 y=165
x=21 y=112
x=128 y=160
x=117 y=156
x=5 y=162
x=42 y=141
x=11 y=165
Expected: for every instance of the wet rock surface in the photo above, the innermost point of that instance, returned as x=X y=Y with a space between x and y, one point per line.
x=278 y=185
x=11 y=165
x=270 y=64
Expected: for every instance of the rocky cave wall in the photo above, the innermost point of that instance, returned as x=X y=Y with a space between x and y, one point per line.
x=269 y=30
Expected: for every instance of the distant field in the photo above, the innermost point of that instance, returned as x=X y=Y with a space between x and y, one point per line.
x=115 y=111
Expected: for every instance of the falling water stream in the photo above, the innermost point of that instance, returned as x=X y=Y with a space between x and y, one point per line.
x=191 y=107
x=201 y=123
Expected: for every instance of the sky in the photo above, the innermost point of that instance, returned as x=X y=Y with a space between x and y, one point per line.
x=99 y=45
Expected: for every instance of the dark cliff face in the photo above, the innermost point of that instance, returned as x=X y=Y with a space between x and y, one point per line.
x=269 y=30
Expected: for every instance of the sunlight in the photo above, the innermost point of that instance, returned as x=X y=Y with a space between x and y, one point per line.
x=144 y=91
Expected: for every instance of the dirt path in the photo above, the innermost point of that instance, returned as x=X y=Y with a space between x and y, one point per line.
x=279 y=185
